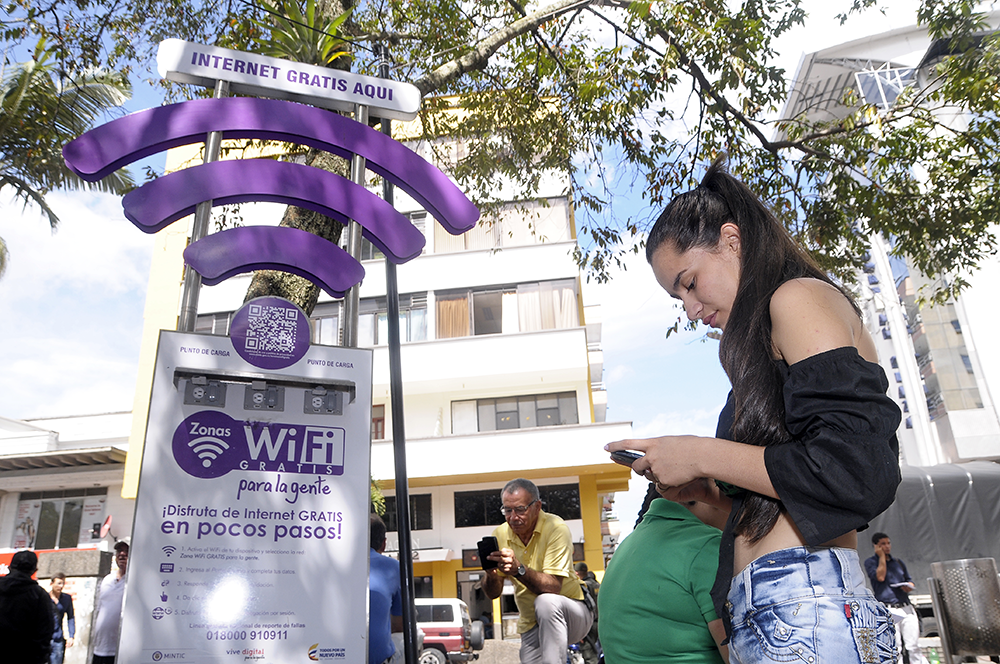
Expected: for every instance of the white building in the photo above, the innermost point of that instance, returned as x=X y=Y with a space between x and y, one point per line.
x=60 y=482
x=940 y=375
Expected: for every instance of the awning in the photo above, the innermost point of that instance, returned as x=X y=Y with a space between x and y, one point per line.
x=91 y=456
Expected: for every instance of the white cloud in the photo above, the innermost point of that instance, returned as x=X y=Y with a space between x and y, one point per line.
x=698 y=422
x=71 y=306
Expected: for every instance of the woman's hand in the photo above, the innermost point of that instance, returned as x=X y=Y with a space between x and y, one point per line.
x=676 y=461
x=668 y=461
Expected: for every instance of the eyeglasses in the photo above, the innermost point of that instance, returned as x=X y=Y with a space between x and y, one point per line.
x=519 y=510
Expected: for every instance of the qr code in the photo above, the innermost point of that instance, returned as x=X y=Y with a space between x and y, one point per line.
x=271 y=329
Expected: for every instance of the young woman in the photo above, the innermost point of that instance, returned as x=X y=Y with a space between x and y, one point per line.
x=805 y=452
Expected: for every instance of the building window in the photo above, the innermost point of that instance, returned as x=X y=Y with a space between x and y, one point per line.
x=518 y=224
x=478 y=508
x=561 y=499
x=324 y=324
x=370 y=252
x=378 y=422
x=213 y=323
x=420 y=512
x=423 y=586
x=881 y=85
x=482 y=508
x=546 y=305
x=520 y=412
x=373 y=320
x=59 y=519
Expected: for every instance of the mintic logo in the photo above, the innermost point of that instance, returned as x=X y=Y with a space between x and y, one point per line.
x=157 y=656
x=209 y=444
x=314 y=652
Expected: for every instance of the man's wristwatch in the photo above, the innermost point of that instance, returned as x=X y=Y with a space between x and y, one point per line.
x=522 y=570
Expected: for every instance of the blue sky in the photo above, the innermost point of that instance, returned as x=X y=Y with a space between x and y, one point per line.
x=71 y=304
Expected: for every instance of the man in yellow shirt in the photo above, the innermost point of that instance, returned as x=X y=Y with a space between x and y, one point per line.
x=536 y=552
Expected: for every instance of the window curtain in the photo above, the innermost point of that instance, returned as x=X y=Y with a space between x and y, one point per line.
x=452 y=317
x=483 y=236
x=445 y=242
x=509 y=314
x=529 y=312
x=564 y=306
x=548 y=305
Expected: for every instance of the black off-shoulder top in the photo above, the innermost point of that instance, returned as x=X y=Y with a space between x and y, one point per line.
x=841 y=468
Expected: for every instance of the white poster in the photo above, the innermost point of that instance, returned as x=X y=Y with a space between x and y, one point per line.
x=90 y=520
x=250 y=541
x=26 y=524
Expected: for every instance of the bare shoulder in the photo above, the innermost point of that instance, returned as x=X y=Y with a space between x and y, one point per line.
x=809 y=316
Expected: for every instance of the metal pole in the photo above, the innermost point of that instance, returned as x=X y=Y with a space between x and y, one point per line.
x=351 y=299
x=398 y=431
x=202 y=215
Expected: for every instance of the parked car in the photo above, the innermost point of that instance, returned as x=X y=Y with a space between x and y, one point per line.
x=450 y=636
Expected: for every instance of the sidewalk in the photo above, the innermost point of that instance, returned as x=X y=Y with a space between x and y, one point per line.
x=499 y=652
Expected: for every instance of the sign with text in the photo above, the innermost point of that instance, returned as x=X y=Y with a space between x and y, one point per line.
x=251 y=540
x=264 y=76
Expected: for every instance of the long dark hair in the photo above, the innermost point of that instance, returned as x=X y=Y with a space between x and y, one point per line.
x=768 y=258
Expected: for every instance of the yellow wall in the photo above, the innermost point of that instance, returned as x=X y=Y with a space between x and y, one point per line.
x=590 y=511
x=166 y=273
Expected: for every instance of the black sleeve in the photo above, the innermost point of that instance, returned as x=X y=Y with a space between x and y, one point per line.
x=841 y=467
x=40 y=635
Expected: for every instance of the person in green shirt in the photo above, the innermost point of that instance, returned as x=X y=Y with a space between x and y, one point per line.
x=654 y=601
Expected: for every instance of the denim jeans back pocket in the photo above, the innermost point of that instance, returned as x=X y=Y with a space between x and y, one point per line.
x=873 y=631
x=780 y=633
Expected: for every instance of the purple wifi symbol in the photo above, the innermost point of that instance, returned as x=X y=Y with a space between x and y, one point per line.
x=217 y=257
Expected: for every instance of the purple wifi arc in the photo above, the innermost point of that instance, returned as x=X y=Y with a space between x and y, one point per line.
x=163 y=201
x=222 y=255
x=111 y=146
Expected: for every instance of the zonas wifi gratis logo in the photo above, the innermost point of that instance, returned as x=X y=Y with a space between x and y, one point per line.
x=209 y=444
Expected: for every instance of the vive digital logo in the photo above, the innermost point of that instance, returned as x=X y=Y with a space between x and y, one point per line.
x=209 y=444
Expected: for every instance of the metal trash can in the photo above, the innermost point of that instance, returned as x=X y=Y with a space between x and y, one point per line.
x=971 y=593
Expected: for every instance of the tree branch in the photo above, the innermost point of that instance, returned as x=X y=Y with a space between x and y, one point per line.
x=479 y=56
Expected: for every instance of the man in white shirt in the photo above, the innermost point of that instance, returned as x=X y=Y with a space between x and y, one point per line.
x=110 y=594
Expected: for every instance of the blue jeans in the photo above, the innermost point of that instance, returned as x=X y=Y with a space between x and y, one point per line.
x=808 y=605
x=58 y=651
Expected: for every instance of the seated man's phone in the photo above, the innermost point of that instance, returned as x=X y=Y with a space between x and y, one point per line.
x=486 y=546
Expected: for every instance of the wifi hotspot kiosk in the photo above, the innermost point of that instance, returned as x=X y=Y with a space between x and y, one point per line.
x=251 y=539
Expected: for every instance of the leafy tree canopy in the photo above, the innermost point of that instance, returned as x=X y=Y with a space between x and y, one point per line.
x=576 y=83
x=42 y=106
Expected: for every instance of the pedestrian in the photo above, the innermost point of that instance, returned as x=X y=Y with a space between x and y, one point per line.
x=62 y=605
x=108 y=621
x=805 y=453
x=892 y=586
x=25 y=613
x=590 y=647
x=385 y=614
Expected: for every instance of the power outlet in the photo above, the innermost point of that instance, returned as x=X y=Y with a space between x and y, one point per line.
x=261 y=396
x=199 y=391
x=323 y=402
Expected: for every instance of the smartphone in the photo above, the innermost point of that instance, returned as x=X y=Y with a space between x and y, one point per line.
x=486 y=546
x=625 y=457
